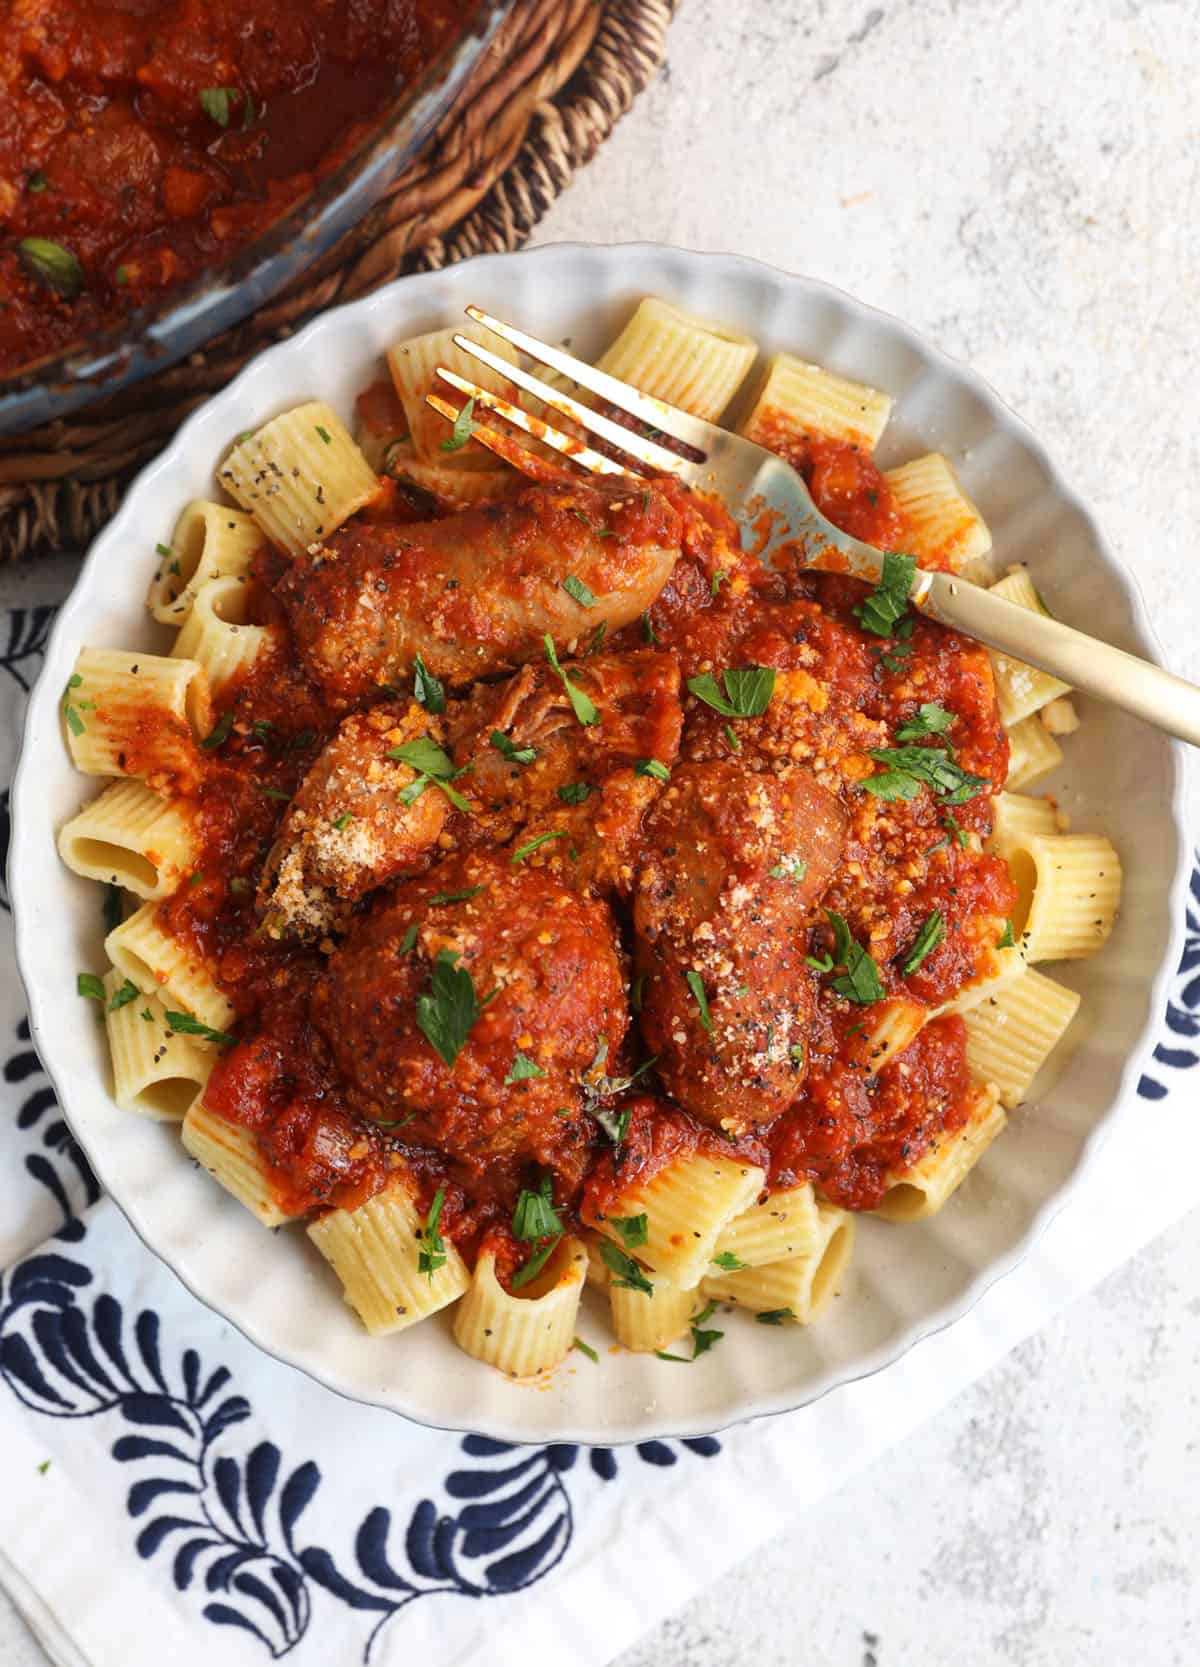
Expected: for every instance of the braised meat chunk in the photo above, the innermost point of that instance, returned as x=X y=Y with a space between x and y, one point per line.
x=476 y=593
x=735 y=862
x=358 y=820
x=470 y=1006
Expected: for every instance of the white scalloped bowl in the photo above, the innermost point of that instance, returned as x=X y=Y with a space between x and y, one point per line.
x=905 y=1282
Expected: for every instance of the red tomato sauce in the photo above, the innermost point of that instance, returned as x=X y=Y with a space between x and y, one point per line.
x=145 y=143
x=840 y=692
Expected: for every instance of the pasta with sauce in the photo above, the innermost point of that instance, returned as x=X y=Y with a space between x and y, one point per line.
x=534 y=890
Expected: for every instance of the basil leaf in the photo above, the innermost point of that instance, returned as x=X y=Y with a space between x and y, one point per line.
x=427 y=757
x=575 y=792
x=408 y=942
x=428 y=691
x=932 y=767
x=927 y=940
x=446 y=1013
x=630 y=1276
x=583 y=708
x=214 y=101
x=219 y=733
x=891 y=785
x=122 y=997
x=888 y=602
x=87 y=984
x=52 y=264
x=652 y=767
x=509 y=749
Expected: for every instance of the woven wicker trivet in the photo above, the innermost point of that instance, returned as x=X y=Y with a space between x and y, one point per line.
x=559 y=77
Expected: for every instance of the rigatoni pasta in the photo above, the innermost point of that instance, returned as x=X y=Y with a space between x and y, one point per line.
x=592 y=973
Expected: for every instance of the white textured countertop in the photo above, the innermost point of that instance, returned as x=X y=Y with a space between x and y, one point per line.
x=1019 y=180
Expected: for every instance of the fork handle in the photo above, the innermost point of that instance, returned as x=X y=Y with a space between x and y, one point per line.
x=1150 y=693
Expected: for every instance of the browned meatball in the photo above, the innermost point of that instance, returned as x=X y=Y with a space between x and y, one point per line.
x=471 y=1018
x=736 y=861
x=476 y=593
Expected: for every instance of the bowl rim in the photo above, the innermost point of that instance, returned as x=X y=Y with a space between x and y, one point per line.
x=956 y=1309
x=99 y=366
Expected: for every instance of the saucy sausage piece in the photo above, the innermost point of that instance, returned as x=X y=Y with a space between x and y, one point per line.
x=349 y=829
x=531 y=764
x=520 y=983
x=735 y=862
x=476 y=593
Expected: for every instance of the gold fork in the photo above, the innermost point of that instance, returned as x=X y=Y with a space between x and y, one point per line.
x=751 y=479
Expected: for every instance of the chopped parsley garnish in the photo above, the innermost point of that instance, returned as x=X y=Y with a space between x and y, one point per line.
x=583 y=708
x=37 y=182
x=52 y=264
x=1006 y=939
x=950 y=823
x=440 y=897
x=87 y=984
x=696 y=985
x=648 y=629
x=629 y=1276
x=522 y=1070
x=219 y=733
x=122 y=997
x=652 y=767
x=448 y=1009
x=273 y=793
x=635 y=993
x=183 y=1024
x=509 y=749
x=535 y=1216
x=409 y=941
x=575 y=792
x=432 y=1254
x=70 y=709
x=214 y=101
x=586 y=1348
x=911 y=768
x=796 y=1052
x=434 y=767
x=888 y=602
x=342 y=822
x=731 y=737
x=774 y=1316
x=464 y=427
x=747 y=691
x=164 y=550
x=428 y=691
x=927 y=940
x=614 y=1123
x=791 y=868
x=702 y=1340
x=147 y=1015
x=634 y=1230
x=729 y=1262
x=325 y=435
x=579 y=591
x=531 y=845
x=717 y=577
x=535 y=1264
x=860 y=982
x=929 y=719
x=598 y=636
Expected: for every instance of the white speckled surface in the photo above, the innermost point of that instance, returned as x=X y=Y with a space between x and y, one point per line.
x=1019 y=179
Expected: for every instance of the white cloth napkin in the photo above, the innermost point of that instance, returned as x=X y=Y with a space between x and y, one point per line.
x=169 y=1493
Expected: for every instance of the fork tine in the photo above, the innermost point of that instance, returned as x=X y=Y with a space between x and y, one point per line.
x=692 y=431
x=646 y=452
x=535 y=427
